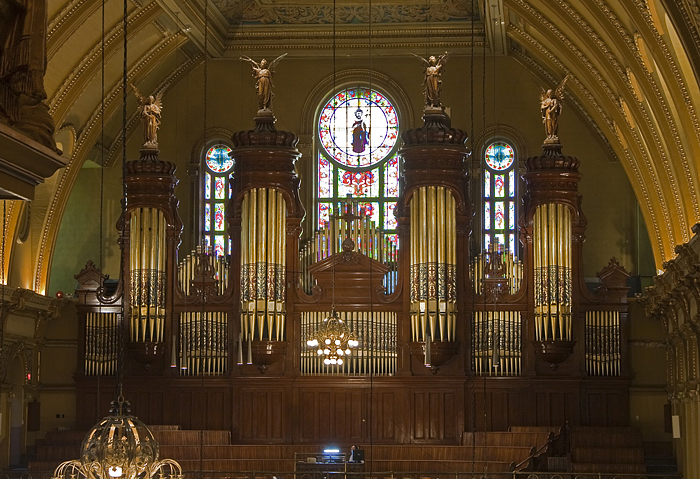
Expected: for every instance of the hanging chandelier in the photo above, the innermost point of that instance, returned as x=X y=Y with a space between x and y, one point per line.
x=334 y=339
x=120 y=446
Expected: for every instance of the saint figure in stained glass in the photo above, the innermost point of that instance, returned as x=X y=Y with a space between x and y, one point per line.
x=359 y=133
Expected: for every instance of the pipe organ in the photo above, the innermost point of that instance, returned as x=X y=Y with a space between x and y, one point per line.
x=430 y=315
x=433 y=265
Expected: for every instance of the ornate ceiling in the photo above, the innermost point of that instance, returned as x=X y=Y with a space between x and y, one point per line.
x=633 y=65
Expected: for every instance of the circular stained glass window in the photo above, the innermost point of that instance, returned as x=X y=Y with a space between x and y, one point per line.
x=218 y=160
x=358 y=127
x=499 y=156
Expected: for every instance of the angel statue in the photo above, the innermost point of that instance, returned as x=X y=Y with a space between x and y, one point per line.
x=550 y=105
x=432 y=81
x=263 y=80
x=149 y=109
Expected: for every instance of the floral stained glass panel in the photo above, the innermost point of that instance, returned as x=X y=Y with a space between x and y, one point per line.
x=511 y=183
x=220 y=188
x=325 y=178
x=207 y=217
x=207 y=185
x=487 y=184
x=358 y=184
x=512 y=244
x=487 y=241
x=487 y=216
x=390 y=222
x=391 y=177
x=324 y=214
x=500 y=239
x=219 y=216
x=219 y=245
x=499 y=218
x=499 y=186
x=511 y=215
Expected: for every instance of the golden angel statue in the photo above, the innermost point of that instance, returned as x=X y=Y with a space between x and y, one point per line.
x=432 y=81
x=551 y=103
x=150 y=108
x=263 y=79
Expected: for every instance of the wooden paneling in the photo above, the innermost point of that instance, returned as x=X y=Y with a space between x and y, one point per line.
x=260 y=415
x=434 y=413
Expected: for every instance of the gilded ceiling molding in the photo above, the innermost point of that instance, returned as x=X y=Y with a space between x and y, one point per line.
x=255 y=12
x=320 y=39
x=662 y=148
x=529 y=62
x=69 y=8
x=86 y=139
x=691 y=177
x=670 y=61
x=631 y=161
x=9 y=225
x=564 y=40
x=90 y=62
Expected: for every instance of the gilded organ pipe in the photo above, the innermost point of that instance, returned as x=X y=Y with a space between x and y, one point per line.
x=552 y=227
x=263 y=270
x=433 y=264
x=147 y=272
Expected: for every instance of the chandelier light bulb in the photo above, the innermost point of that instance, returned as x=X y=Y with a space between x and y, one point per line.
x=115 y=471
x=328 y=341
x=339 y=351
x=326 y=361
x=337 y=342
x=347 y=352
x=326 y=351
x=319 y=352
x=340 y=361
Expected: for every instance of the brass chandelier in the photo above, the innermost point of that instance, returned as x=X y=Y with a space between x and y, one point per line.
x=333 y=339
x=120 y=446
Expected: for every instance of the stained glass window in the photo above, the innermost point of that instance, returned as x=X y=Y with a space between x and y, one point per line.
x=216 y=187
x=358 y=132
x=500 y=183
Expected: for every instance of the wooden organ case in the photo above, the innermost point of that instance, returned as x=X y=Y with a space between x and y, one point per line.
x=447 y=344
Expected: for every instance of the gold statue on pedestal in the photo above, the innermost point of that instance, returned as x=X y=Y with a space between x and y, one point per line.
x=262 y=72
x=150 y=109
x=432 y=81
x=551 y=103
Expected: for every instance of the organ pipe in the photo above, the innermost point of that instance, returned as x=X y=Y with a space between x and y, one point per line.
x=187 y=267
x=147 y=272
x=433 y=264
x=263 y=271
x=203 y=343
x=375 y=354
x=552 y=256
x=101 y=343
x=369 y=240
x=497 y=331
x=513 y=271
x=603 y=343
